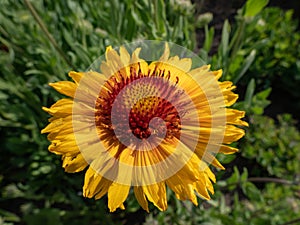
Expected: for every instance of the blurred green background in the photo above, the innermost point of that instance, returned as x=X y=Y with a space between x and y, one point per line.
x=258 y=48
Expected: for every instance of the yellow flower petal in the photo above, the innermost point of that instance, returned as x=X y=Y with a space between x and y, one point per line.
x=166 y=54
x=156 y=194
x=234 y=117
x=61 y=108
x=125 y=56
x=67 y=148
x=184 y=64
x=113 y=60
x=202 y=187
x=141 y=198
x=95 y=185
x=76 y=76
x=74 y=164
x=227 y=149
x=65 y=87
x=117 y=194
x=184 y=190
x=54 y=126
x=232 y=133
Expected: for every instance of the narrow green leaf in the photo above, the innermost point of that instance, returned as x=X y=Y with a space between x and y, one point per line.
x=264 y=94
x=249 y=93
x=248 y=61
x=203 y=55
x=244 y=175
x=209 y=37
x=160 y=16
x=225 y=39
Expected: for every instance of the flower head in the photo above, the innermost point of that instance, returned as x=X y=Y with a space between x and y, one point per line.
x=144 y=125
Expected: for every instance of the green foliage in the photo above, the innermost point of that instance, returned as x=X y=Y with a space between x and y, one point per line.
x=274 y=205
x=275 y=146
x=231 y=56
x=273 y=33
x=263 y=45
x=254 y=104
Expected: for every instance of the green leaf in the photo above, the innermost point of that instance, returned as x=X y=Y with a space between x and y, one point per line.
x=253 y=7
x=244 y=175
x=203 y=55
x=8 y=216
x=234 y=180
x=248 y=61
x=251 y=191
x=3 y=96
x=225 y=39
x=249 y=93
x=264 y=94
x=209 y=37
x=160 y=16
x=257 y=103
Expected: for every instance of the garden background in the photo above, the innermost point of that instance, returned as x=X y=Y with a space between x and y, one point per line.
x=256 y=43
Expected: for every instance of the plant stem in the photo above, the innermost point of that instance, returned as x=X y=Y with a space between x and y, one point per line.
x=47 y=33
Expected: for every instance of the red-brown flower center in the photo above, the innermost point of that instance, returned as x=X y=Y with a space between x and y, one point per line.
x=139 y=106
x=146 y=111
